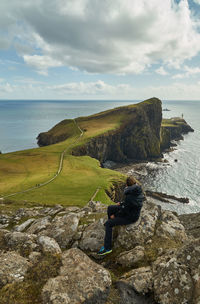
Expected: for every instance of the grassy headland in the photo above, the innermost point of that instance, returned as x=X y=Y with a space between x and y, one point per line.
x=78 y=180
x=124 y=130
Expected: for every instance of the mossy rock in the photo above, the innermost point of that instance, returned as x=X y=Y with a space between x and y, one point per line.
x=29 y=290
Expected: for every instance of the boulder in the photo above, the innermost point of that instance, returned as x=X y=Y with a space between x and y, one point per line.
x=63 y=229
x=80 y=281
x=141 y=279
x=177 y=276
x=24 y=226
x=21 y=242
x=48 y=244
x=4 y=221
x=140 y=232
x=170 y=227
x=172 y=283
x=13 y=267
x=131 y=257
x=189 y=255
x=39 y=225
x=52 y=211
x=129 y=296
x=93 y=236
x=97 y=206
x=191 y=224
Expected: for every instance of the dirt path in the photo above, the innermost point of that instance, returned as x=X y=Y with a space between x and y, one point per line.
x=56 y=175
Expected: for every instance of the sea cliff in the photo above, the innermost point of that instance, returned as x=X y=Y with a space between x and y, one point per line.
x=140 y=133
x=138 y=136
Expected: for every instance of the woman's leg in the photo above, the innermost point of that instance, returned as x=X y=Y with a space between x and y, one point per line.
x=109 y=224
x=112 y=209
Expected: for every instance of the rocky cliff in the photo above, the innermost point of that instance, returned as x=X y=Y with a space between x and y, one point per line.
x=172 y=129
x=138 y=134
x=136 y=137
x=48 y=256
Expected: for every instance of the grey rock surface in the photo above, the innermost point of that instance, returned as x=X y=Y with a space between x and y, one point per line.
x=21 y=242
x=191 y=222
x=170 y=227
x=63 y=229
x=140 y=279
x=138 y=233
x=39 y=225
x=131 y=257
x=129 y=296
x=177 y=276
x=48 y=244
x=80 y=281
x=93 y=236
x=13 y=267
x=23 y=226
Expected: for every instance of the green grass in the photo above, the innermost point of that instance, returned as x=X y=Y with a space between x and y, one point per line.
x=167 y=122
x=78 y=181
x=76 y=184
x=80 y=176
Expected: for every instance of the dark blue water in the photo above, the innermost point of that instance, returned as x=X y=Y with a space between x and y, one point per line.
x=22 y=121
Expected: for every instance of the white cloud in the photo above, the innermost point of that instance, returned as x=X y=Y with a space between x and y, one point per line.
x=197 y=1
x=187 y=72
x=162 y=71
x=6 y=88
x=99 y=90
x=41 y=63
x=84 y=88
x=114 y=36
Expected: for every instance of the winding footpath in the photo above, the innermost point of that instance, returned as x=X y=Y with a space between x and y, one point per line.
x=56 y=175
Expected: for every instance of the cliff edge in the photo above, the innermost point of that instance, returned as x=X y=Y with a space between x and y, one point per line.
x=131 y=132
x=123 y=134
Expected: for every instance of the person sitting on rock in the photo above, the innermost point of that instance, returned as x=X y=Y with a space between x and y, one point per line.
x=124 y=213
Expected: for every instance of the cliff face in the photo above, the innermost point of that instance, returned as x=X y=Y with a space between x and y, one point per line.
x=172 y=129
x=138 y=137
x=126 y=133
x=58 y=133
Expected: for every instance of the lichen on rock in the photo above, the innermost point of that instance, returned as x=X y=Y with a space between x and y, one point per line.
x=80 y=281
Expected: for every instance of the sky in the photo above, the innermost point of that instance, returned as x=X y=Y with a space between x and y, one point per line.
x=108 y=49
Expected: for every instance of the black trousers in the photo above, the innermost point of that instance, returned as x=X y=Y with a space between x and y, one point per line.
x=113 y=209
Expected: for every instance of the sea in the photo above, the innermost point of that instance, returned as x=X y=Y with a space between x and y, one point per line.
x=22 y=120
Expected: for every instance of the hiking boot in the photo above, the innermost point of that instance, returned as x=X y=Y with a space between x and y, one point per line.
x=104 y=251
x=101 y=250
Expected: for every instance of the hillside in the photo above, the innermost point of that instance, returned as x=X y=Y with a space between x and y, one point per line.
x=62 y=171
x=120 y=134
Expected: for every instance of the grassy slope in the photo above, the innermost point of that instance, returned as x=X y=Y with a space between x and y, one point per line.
x=80 y=176
x=76 y=184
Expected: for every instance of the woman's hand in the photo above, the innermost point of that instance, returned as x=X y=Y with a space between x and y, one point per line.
x=118 y=204
x=112 y=216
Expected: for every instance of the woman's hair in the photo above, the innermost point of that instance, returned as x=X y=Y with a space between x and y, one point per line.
x=130 y=181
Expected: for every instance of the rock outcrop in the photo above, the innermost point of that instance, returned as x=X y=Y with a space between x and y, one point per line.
x=53 y=251
x=173 y=129
x=80 y=281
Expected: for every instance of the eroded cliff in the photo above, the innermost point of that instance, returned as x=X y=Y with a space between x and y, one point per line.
x=122 y=134
x=136 y=134
x=172 y=129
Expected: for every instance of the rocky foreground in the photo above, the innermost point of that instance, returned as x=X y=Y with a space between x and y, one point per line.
x=48 y=255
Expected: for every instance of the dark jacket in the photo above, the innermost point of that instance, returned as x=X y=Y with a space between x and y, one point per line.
x=132 y=204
